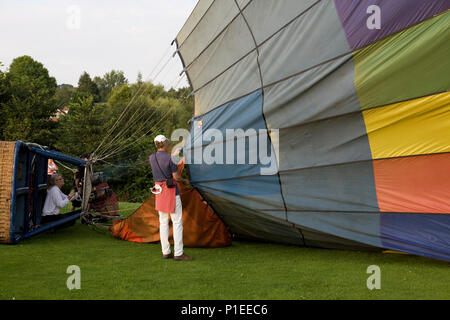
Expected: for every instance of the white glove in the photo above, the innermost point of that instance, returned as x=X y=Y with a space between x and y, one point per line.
x=76 y=196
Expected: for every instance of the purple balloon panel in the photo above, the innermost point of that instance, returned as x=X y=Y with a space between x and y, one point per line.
x=367 y=21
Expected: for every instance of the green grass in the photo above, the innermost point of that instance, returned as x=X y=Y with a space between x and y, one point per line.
x=117 y=269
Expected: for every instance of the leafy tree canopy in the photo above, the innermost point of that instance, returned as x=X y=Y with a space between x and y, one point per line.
x=64 y=94
x=108 y=82
x=31 y=102
x=86 y=87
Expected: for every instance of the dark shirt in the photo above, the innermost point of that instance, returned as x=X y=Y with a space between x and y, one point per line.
x=80 y=173
x=167 y=167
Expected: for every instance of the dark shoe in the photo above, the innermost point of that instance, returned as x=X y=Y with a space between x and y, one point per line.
x=168 y=256
x=183 y=257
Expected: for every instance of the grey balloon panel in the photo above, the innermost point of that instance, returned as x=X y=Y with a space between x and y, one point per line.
x=196 y=15
x=214 y=19
x=355 y=226
x=265 y=17
x=315 y=37
x=228 y=48
x=323 y=92
x=240 y=80
x=314 y=238
x=250 y=223
x=331 y=141
x=346 y=187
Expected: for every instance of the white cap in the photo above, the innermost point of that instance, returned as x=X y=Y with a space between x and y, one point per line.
x=160 y=138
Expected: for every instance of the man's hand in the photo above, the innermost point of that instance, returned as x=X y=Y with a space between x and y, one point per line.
x=178 y=178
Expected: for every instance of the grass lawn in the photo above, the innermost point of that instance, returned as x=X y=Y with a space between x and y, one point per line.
x=117 y=269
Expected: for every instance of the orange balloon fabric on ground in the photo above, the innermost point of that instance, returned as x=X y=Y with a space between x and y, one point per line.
x=201 y=226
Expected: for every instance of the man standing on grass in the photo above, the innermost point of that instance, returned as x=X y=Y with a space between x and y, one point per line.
x=168 y=201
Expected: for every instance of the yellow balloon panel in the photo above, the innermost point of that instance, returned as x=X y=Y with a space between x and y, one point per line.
x=414 y=127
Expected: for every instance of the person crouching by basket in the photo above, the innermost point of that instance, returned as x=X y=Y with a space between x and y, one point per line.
x=168 y=201
x=78 y=178
x=55 y=201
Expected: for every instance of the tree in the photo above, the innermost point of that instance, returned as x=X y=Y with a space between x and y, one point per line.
x=83 y=127
x=86 y=88
x=63 y=95
x=108 y=82
x=30 y=102
x=3 y=99
x=139 y=78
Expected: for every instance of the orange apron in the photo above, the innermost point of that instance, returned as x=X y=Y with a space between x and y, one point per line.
x=165 y=201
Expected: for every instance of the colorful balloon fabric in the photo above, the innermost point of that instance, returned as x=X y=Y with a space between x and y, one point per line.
x=352 y=98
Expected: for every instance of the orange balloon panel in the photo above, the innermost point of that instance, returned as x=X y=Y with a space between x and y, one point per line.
x=414 y=184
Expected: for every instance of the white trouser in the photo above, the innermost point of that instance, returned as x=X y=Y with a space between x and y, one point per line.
x=177 y=222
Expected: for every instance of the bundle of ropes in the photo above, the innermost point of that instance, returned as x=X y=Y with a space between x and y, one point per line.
x=129 y=130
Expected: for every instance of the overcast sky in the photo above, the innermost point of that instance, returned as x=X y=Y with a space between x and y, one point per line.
x=96 y=36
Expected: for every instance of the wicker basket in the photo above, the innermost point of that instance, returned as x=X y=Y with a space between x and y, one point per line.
x=6 y=179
